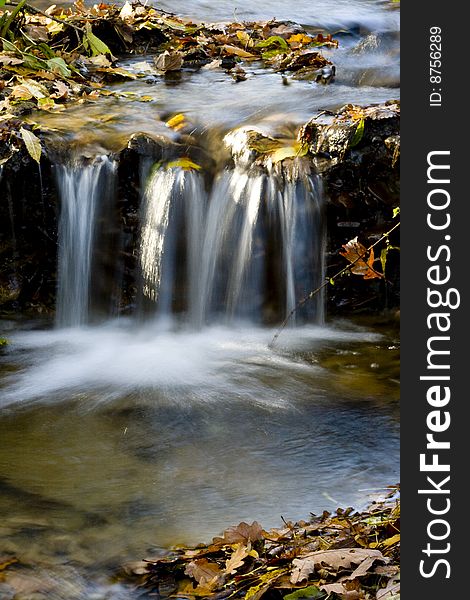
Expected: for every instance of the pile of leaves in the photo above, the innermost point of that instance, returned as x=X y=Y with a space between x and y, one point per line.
x=68 y=53
x=347 y=555
x=49 y=58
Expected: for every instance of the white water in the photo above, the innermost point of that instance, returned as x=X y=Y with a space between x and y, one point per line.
x=172 y=208
x=187 y=367
x=81 y=188
x=250 y=249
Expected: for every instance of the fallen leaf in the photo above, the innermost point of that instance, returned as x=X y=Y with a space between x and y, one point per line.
x=234 y=50
x=62 y=90
x=99 y=60
x=203 y=571
x=265 y=581
x=126 y=12
x=10 y=60
x=363 y=568
x=358 y=134
x=341 y=591
x=214 y=64
x=274 y=40
x=177 y=122
x=298 y=39
x=93 y=43
x=312 y=591
x=236 y=560
x=183 y=163
x=32 y=143
x=29 y=89
x=46 y=103
x=241 y=533
x=169 y=61
x=362 y=261
x=245 y=38
x=391 y=541
x=391 y=592
x=58 y=65
x=335 y=559
x=119 y=71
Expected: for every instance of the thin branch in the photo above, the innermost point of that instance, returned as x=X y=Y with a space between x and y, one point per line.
x=326 y=282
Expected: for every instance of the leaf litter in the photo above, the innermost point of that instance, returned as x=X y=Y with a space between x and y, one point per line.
x=68 y=54
x=345 y=555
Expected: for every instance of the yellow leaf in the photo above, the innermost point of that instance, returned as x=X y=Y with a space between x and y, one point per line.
x=393 y=540
x=46 y=103
x=236 y=560
x=183 y=163
x=265 y=581
x=282 y=153
x=245 y=38
x=234 y=50
x=299 y=38
x=118 y=71
x=32 y=143
x=177 y=122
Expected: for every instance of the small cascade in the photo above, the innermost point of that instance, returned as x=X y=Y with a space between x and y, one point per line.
x=247 y=246
x=250 y=250
x=171 y=239
x=231 y=262
x=295 y=209
x=81 y=189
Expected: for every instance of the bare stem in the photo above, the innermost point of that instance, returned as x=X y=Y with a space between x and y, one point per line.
x=325 y=283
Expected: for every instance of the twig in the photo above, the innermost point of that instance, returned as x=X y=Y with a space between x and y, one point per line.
x=325 y=283
x=37 y=11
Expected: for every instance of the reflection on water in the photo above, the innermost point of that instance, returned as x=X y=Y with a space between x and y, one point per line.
x=116 y=441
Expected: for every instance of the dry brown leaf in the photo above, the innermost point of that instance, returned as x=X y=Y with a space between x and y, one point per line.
x=203 y=571
x=341 y=558
x=357 y=254
x=234 y=50
x=386 y=570
x=8 y=59
x=341 y=591
x=392 y=589
x=243 y=533
x=363 y=568
x=169 y=61
x=236 y=560
x=62 y=90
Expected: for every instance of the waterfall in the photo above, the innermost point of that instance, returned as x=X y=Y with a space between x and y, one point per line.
x=246 y=247
x=81 y=188
x=250 y=251
x=171 y=239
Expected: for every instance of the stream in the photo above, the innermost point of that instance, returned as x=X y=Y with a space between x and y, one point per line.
x=124 y=433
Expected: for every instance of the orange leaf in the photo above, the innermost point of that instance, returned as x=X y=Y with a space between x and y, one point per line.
x=362 y=260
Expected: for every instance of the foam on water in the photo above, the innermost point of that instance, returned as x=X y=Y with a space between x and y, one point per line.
x=210 y=365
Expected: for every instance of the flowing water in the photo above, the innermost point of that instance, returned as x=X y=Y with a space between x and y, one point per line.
x=81 y=189
x=124 y=435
